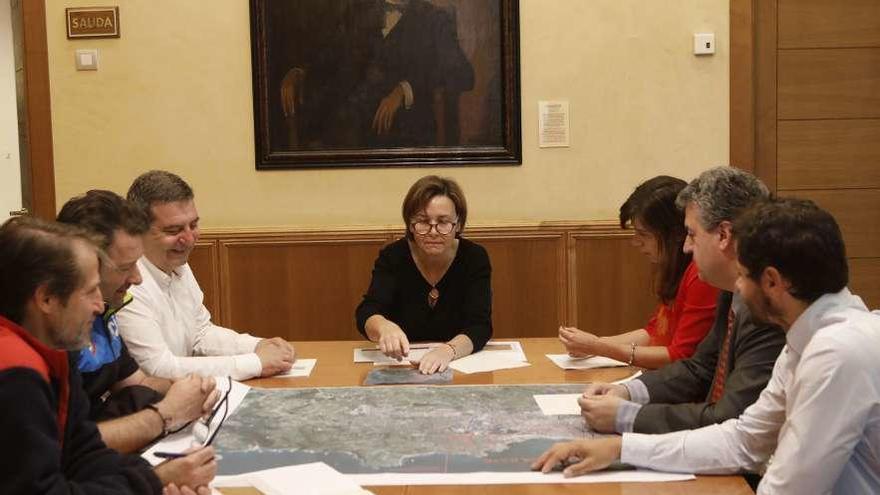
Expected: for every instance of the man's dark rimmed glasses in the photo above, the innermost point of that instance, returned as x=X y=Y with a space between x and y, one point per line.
x=224 y=403
x=424 y=228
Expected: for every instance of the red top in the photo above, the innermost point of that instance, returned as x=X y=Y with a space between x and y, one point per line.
x=19 y=349
x=681 y=326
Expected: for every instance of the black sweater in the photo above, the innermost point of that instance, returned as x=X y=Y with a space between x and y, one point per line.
x=400 y=293
x=34 y=460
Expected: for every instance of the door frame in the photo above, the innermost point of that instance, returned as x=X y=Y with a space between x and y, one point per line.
x=753 y=83
x=34 y=108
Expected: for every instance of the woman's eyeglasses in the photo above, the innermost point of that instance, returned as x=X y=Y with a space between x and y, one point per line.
x=442 y=228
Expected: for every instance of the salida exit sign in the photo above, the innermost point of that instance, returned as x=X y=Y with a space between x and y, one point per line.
x=93 y=22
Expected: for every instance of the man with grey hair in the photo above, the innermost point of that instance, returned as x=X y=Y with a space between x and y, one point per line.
x=734 y=361
x=167 y=328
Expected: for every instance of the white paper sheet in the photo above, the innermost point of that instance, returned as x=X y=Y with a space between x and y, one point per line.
x=301 y=367
x=484 y=362
x=485 y=367
x=553 y=127
x=558 y=404
x=510 y=347
x=398 y=479
x=496 y=355
x=185 y=439
x=630 y=377
x=501 y=350
x=567 y=362
x=315 y=478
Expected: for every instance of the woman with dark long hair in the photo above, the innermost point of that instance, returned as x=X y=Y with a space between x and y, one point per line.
x=686 y=306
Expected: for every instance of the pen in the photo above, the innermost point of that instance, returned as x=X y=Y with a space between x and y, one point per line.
x=178 y=455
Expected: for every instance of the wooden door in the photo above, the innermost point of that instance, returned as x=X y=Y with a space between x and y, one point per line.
x=805 y=113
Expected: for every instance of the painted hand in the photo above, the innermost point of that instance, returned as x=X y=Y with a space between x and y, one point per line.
x=388 y=107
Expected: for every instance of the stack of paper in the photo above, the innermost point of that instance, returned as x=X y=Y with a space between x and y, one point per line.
x=496 y=355
x=301 y=367
x=567 y=362
x=533 y=477
x=316 y=478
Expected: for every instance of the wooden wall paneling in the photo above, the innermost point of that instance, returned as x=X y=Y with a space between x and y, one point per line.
x=829 y=23
x=825 y=84
x=613 y=284
x=821 y=154
x=299 y=287
x=305 y=285
x=864 y=280
x=742 y=84
x=857 y=211
x=528 y=281
x=204 y=264
x=765 y=91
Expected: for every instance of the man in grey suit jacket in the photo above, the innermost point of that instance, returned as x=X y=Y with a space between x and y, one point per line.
x=735 y=360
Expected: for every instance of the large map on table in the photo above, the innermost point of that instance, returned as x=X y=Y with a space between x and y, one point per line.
x=407 y=429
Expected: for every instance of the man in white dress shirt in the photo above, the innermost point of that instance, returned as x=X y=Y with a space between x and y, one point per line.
x=167 y=328
x=819 y=417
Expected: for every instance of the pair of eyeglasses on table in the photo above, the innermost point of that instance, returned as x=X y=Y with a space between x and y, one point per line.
x=202 y=428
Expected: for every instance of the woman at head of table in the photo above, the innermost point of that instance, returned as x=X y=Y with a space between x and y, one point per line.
x=431 y=285
x=686 y=306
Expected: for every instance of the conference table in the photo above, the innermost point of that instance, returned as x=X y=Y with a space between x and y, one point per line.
x=335 y=368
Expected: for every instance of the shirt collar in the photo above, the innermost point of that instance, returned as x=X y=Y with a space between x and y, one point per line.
x=821 y=313
x=163 y=279
x=738 y=304
x=108 y=311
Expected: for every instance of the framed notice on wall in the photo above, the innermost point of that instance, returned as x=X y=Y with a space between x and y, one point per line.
x=353 y=83
x=92 y=22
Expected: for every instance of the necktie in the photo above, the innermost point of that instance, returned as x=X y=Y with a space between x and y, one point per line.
x=723 y=361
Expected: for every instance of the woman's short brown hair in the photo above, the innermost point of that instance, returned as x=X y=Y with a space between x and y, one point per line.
x=424 y=190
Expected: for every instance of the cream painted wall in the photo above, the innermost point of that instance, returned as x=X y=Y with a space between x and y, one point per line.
x=175 y=92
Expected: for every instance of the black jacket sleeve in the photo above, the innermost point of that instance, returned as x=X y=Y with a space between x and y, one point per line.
x=127 y=364
x=380 y=295
x=32 y=460
x=478 y=301
x=679 y=391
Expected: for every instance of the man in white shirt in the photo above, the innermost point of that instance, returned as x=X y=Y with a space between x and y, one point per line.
x=167 y=328
x=819 y=417
x=130 y=407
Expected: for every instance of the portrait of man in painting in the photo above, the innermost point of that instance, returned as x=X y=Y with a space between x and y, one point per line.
x=344 y=75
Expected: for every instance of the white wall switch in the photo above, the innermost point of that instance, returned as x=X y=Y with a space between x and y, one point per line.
x=87 y=60
x=704 y=43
